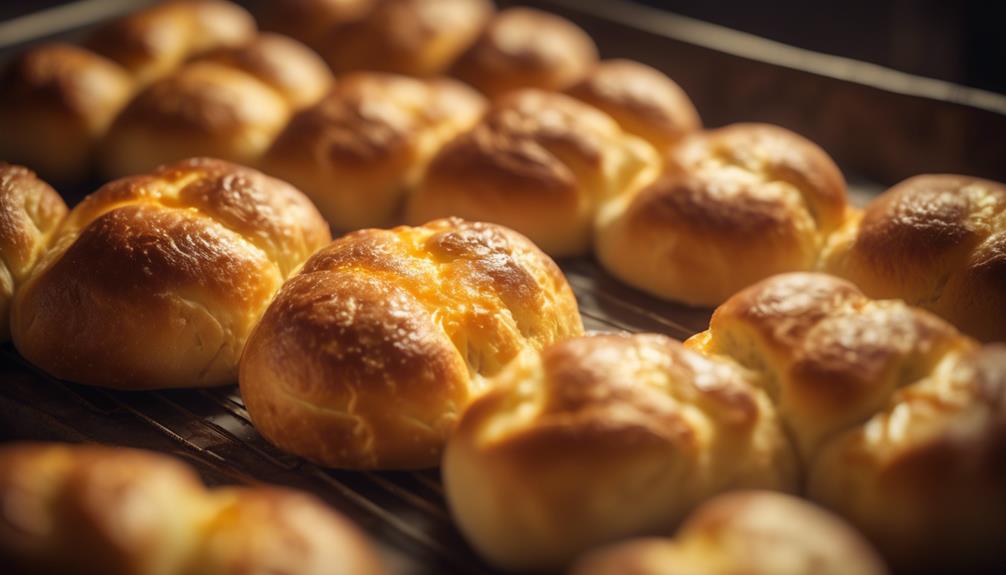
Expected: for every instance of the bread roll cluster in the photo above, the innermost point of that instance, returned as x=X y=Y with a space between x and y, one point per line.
x=745 y=533
x=156 y=281
x=893 y=419
x=604 y=437
x=936 y=241
x=132 y=98
x=367 y=357
x=109 y=511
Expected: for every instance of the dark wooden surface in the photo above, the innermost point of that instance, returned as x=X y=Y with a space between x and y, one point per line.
x=881 y=126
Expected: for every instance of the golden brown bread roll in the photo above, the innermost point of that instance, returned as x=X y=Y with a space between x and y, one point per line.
x=745 y=533
x=527 y=48
x=734 y=205
x=937 y=241
x=540 y=163
x=925 y=477
x=230 y=105
x=898 y=417
x=641 y=99
x=362 y=149
x=114 y=511
x=603 y=437
x=56 y=103
x=30 y=213
x=310 y=21
x=288 y=66
x=412 y=37
x=155 y=281
x=153 y=42
x=366 y=358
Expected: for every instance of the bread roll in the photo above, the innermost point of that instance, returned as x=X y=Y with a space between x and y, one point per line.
x=230 y=105
x=735 y=205
x=205 y=109
x=540 y=163
x=289 y=67
x=56 y=103
x=368 y=355
x=412 y=37
x=361 y=150
x=745 y=533
x=112 y=511
x=30 y=212
x=153 y=42
x=937 y=241
x=310 y=21
x=897 y=416
x=155 y=281
x=527 y=48
x=604 y=437
x=641 y=99
x=924 y=477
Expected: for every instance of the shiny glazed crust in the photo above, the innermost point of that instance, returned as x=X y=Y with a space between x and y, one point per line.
x=155 y=281
x=368 y=355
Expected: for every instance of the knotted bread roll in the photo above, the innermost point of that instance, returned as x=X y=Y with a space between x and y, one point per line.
x=745 y=533
x=604 y=437
x=734 y=205
x=30 y=213
x=97 y=510
x=359 y=152
x=366 y=358
x=230 y=104
x=540 y=163
x=936 y=241
x=155 y=281
x=153 y=42
x=527 y=48
x=641 y=99
x=899 y=418
x=56 y=103
x=413 y=37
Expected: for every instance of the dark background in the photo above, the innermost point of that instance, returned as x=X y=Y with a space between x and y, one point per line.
x=958 y=41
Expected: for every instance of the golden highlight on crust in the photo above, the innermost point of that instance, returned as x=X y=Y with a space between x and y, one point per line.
x=622 y=434
x=897 y=416
x=540 y=163
x=366 y=358
x=103 y=510
x=936 y=241
x=196 y=249
x=733 y=206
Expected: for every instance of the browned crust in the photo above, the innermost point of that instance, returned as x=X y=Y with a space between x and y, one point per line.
x=368 y=356
x=641 y=99
x=413 y=37
x=196 y=249
x=527 y=48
